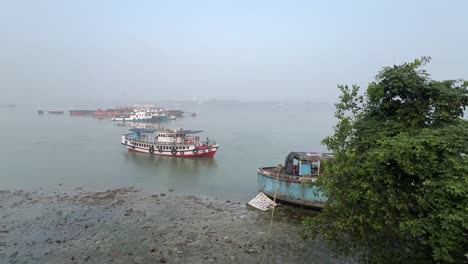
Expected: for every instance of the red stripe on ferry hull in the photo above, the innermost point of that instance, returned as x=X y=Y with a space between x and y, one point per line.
x=209 y=154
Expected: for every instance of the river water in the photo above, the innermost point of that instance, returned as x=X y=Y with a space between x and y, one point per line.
x=60 y=152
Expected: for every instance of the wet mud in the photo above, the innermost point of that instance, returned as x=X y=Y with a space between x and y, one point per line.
x=128 y=225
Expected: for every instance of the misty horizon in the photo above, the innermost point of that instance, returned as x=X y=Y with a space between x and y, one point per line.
x=57 y=53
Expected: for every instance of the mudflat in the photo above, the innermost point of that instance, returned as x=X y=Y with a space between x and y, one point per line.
x=128 y=225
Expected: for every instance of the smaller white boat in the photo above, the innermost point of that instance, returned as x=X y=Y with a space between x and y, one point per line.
x=139 y=116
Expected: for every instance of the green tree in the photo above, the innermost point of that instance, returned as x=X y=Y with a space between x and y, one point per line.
x=397 y=187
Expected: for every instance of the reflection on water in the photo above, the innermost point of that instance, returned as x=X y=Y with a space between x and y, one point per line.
x=188 y=165
x=185 y=175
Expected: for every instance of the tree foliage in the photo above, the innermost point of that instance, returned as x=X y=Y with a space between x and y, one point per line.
x=397 y=187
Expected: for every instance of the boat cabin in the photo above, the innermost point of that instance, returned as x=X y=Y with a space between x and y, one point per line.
x=304 y=163
x=165 y=137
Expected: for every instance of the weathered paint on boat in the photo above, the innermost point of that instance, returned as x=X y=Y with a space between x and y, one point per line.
x=290 y=188
x=295 y=181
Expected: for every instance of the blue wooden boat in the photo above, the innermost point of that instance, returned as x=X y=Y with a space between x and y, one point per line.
x=294 y=182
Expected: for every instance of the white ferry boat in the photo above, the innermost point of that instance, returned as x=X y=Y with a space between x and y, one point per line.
x=142 y=116
x=175 y=142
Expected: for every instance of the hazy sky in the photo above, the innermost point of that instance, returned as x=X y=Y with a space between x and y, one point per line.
x=245 y=50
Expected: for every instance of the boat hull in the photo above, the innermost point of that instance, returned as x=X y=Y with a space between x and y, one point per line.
x=290 y=189
x=201 y=153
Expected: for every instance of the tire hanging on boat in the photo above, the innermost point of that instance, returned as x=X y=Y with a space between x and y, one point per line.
x=160 y=149
x=151 y=149
x=195 y=151
x=174 y=151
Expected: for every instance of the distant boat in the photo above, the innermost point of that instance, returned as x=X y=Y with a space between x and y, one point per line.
x=175 y=113
x=171 y=117
x=174 y=142
x=138 y=116
x=142 y=116
x=82 y=112
x=40 y=112
x=56 y=112
x=294 y=182
x=7 y=105
x=103 y=114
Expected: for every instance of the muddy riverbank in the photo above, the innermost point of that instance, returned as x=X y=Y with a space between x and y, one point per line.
x=128 y=225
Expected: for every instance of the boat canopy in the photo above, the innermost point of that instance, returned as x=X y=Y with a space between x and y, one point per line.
x=143 y=130
x=303 y=156
x=175 y=131
x=181 y=131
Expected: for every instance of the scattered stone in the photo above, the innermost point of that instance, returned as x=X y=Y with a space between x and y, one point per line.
x=128 y=212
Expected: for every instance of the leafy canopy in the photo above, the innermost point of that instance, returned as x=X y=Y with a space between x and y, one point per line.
x=397 y=187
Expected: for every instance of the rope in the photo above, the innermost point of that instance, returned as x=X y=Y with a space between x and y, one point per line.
x=271 y=219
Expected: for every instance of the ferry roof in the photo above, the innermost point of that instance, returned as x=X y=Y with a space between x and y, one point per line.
x=152 y=130
x=143 y=130
x=181 y=131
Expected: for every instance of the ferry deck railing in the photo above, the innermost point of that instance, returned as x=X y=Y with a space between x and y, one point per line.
x=185 y=141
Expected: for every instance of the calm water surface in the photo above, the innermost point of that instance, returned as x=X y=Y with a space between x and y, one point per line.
x=63 y=152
